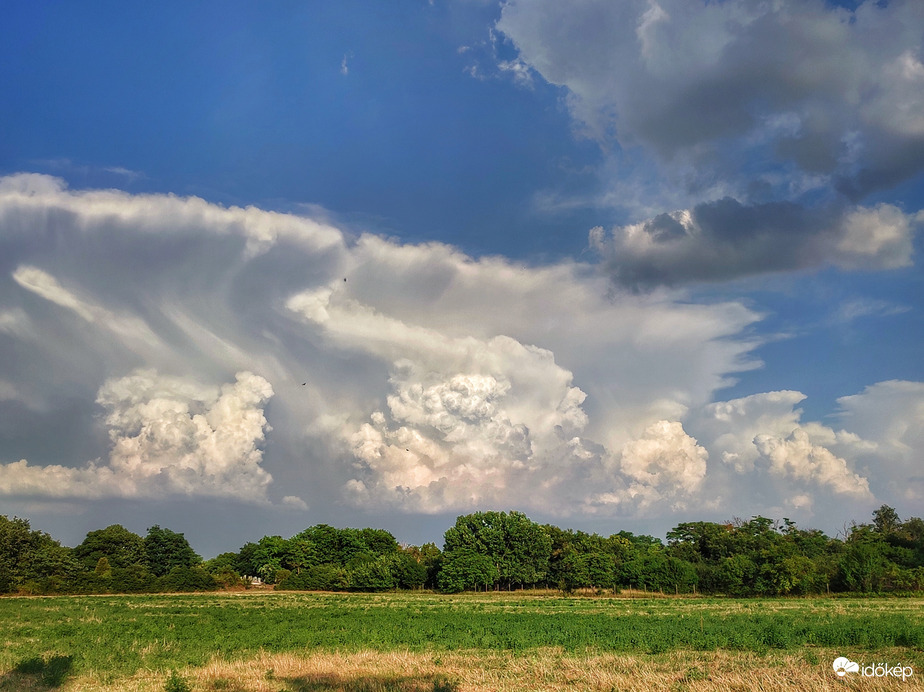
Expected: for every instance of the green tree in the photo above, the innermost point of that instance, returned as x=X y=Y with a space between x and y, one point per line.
x=166 y=549
x=886 y=520
x=222 y=569
x=184 y=579
x=704 y=541
x=518 y=548
x=373 y=575
x=103 y=569
x=116 y=543
x=463 y=568
x=269 y=555
x=409 y=570
x=863 y=566
x=430 y=558
x=300 y=553
x=32 y=560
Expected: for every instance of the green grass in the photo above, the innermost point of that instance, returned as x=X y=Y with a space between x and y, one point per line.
x=118 y=635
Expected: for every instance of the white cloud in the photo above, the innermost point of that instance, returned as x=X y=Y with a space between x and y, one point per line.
x=889 y=417
x=29 y=199
x=796 y=457
x=16 y=323
x=858 y=308
x=127 y=328
x=771 y=458
x=47 y=287
x=667 y=460
x=465 y=416
x=877 y=238
x=435 y=381
x=169 y=436
x=459 y=380
x=731 y=426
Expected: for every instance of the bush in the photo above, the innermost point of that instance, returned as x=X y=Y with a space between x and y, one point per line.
x=318 y=578
x=133 y=579
x=375 y=575
x=188 y=579
x=227 y=579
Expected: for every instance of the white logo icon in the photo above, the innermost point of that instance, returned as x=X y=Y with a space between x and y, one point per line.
x=844 y=665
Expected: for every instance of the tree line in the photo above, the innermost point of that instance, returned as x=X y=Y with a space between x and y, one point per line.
x=485 y=551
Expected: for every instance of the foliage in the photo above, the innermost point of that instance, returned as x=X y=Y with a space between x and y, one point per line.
x=187 y=579
x=463 y=568
x=482 y=551
x=31 y=560
x=166 y=549
x=518 y=548
x=327 y=577
x=117 y=544
x=373 y=575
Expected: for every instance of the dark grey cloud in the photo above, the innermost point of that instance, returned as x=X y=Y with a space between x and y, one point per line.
x=802 y=83
x=795 y=109
x=722 y=240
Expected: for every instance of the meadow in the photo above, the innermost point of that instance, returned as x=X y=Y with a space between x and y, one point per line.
x=423 y=642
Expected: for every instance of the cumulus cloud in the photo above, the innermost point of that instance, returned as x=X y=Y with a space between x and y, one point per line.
x=769 y=427
x=796 y=457
x=666 y=462
x=466 y=417
x=889 y=417
x=767 y=115
x=434 y=381
x=169 y=436
x=678 y=76
x=731 y=426
x=475 y=422
x=726 y=240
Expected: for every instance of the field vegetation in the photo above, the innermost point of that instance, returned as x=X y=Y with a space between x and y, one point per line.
x=505 y=604
x=423 y=641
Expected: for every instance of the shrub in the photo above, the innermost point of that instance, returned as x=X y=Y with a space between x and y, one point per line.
x=188 y=579
x=318 y=578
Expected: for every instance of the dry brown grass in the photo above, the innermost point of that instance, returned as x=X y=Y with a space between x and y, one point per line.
x=478 y=671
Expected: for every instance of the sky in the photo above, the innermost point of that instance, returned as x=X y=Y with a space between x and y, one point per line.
x=617 y=265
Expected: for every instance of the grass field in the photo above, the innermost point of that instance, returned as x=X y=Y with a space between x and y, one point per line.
x=421 y=642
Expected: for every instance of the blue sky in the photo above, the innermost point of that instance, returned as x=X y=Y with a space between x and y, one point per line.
x=617 y=265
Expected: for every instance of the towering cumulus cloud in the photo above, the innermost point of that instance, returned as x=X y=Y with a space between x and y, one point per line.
x=239 y=363
x=169 y=436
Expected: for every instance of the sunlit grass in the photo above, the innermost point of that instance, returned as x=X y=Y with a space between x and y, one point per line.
x=109 y=640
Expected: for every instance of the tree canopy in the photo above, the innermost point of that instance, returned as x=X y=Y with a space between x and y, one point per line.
x=485 y=550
